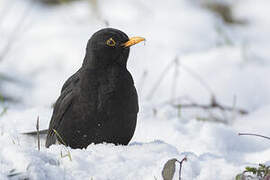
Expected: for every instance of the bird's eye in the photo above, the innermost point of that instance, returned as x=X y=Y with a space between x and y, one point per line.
x=110 y=42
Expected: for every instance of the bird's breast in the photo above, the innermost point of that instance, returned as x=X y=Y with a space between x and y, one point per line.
x=118 y=91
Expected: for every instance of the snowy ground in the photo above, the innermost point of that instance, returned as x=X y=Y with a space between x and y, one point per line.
x=233 y=60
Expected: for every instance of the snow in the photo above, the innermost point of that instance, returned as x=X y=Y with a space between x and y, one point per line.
x=233 y=60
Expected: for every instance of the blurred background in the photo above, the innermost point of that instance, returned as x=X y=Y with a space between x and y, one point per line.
x=202 y=76
x=203 y=60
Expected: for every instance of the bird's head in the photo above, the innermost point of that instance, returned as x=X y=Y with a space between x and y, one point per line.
x=108 y=46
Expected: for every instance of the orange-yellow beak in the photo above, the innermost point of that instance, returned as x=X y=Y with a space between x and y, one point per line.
x=132 y=41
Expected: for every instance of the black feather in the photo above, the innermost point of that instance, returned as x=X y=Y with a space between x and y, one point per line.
x=99 y=102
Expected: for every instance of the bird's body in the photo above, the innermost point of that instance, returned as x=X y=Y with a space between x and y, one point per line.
x=99 y=102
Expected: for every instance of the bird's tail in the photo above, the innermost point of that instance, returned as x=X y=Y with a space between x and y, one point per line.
x=34 y=133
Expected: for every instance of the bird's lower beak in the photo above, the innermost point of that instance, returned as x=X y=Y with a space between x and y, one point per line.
x=132 y=41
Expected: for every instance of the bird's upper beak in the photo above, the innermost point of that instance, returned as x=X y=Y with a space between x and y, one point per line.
x=132 y=41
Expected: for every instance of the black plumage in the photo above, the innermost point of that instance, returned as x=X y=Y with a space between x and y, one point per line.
x=99 y=102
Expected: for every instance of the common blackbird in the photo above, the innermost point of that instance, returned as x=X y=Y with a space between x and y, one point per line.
x=98 y=103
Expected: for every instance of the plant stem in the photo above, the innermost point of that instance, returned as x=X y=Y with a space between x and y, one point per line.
x=38 y=137
x=251 y=134
x=181 y=163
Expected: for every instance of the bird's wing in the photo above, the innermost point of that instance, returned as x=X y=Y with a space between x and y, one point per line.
x=63 y=103
x=60 y=105
x=71 y=80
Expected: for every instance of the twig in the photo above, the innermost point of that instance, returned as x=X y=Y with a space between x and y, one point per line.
x=181 y=164
x=175 y=78
x=142 y=80
x=5 y=11
x=2 y=100
x=187 y=69
x=251 y=134
x=159 y=80
x=3 y=111
x=198 y=78
x=211 y=106
x=38 y=137
x=14 y=33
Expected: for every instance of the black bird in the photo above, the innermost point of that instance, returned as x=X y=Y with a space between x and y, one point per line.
x=98 y=103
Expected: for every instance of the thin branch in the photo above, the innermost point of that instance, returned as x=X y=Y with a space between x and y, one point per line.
x=181 y=164
x=198 y=78
x=251 y=134
x=5 y=108
x=187 y=69
x=234 y=106
x=159 y=80
x=38 y=137
x=142 y=80
x=175 y=78
x=5 y=11
x=211 y=106
x=14 y=34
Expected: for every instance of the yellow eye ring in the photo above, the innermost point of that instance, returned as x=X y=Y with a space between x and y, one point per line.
x=110 y=42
